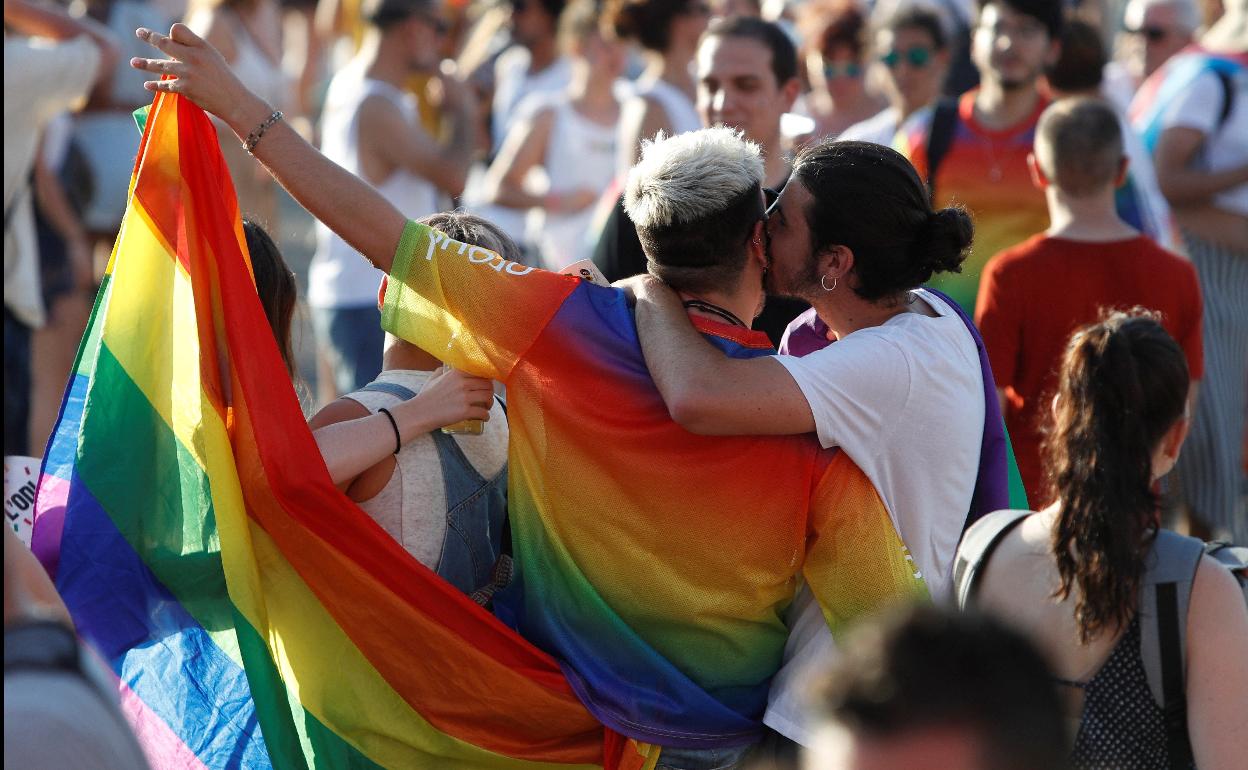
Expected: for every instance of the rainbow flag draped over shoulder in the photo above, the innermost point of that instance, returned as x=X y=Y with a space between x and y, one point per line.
x=254 y=616
x=1158 y=92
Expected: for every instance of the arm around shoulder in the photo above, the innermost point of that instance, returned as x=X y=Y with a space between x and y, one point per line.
x=705 y=391
x=1217 y=667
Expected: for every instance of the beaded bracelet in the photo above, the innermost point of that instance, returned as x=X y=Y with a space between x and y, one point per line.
x=249 y=144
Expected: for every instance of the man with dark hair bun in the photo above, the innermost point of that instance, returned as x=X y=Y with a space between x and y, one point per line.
x=644 y=563
x=903 y=391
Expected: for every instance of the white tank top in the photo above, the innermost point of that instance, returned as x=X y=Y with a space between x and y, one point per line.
x=263 y=76
x=682 y=114
x=339 y=276
x=580 y=155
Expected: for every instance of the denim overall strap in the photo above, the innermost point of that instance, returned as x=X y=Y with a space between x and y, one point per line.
x=393 y=388
x=476 y=509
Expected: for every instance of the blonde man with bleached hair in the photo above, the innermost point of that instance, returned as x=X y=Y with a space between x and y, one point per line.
x=697 y=201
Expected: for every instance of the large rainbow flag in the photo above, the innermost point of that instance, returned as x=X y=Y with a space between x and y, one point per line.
x=254 y=616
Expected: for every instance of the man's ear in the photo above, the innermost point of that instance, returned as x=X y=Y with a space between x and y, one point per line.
x=1055 y=52
x=836 y=262
x=1172 y=441
x=757 y=245
x=789 y=92
x=1038 y=177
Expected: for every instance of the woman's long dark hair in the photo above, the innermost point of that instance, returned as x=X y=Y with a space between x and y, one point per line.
x=1123 y=385
x=275 y=284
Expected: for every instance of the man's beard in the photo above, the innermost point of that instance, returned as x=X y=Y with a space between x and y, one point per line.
x=804 y=288
x=1025 y=82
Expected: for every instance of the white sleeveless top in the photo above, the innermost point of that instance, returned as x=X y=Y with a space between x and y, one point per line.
x=580 y=155
x=263 y=76
x=339 y=276
x=682 y=114
x=411 y=507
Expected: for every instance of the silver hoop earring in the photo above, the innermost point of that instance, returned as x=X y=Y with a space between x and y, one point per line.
x=823 y=281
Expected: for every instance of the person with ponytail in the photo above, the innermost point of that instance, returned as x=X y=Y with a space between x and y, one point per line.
x=1070 y=576
x=902 y=389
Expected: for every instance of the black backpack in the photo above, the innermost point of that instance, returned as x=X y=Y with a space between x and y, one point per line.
x=1165 y=591
x=940 y=139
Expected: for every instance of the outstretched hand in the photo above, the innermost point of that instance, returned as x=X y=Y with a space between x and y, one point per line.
x=198 y=71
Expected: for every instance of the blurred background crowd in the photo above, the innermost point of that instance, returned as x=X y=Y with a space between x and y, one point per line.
x=1100 y=146
x=530 y=113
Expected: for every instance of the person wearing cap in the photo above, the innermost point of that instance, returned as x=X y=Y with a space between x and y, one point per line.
x=371 y=126
x=654 y=564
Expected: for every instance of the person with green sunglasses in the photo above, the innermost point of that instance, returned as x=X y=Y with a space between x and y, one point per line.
x=836 y=56
x=913 y=49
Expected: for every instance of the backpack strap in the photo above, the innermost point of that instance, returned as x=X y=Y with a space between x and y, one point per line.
x=940 y=139
x=1228 y=95
x=976 y=548
x=1165 y=594
x=392 y=388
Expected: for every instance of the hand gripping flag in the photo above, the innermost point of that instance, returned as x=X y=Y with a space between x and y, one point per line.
x=254 y=616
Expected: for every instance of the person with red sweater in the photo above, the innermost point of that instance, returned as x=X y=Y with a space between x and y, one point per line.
x=1032 y=296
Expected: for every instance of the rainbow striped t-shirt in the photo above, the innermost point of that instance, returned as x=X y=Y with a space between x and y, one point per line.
x=986 y=172
x=654 y=564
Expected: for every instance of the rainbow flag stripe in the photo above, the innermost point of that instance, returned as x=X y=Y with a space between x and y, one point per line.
x=254 y=616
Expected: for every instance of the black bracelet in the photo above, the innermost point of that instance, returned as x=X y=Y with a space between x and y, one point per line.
x=398 y=442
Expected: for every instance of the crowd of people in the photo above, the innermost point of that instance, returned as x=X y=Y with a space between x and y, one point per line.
x=867 y=255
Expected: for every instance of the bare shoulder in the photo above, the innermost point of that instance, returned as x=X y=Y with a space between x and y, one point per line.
x=1217 y=597
x=376 y=107
x=339 y=410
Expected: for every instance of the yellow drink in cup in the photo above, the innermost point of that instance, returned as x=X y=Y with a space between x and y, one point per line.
x=465 y=427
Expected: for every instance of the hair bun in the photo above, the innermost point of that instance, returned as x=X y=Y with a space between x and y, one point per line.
x=945 y=239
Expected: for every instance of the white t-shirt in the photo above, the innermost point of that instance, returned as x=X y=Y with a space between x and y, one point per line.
x=905 y=400
x=42 y=79
x=1226 y=147
x=880 y=128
